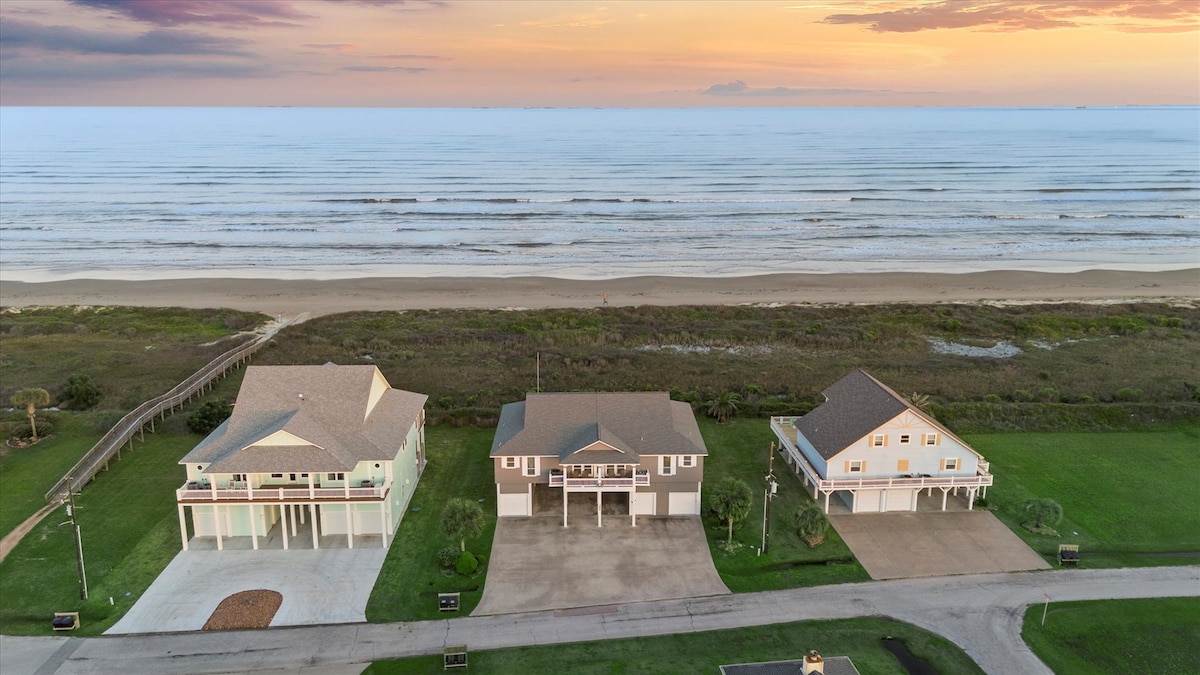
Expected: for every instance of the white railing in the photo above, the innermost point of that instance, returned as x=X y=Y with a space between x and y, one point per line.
x=641 y=477
x=786 y=443
x=269 y=494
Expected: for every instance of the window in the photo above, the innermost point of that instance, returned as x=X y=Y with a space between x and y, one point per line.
x=239 y=477
x=878 y=441
x=531 y=466
x=276 y=475
x=902 y=465
x=929 y=439
x=688 y=461
x=510 y=462
x=856 y=466
x=950 y=464
x=335 y=476
x=667 y=467
x=904 y=438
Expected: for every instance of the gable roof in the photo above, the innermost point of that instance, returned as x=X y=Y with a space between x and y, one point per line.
x=854 y=406
x=628 y=425
x=327 y=410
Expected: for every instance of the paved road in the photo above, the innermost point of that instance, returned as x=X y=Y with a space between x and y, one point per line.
x=981 y=613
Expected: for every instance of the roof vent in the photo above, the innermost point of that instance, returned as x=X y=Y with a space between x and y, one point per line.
x=301 y=397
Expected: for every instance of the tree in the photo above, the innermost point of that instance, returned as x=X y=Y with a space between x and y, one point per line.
x=80 y=392
x=729 y=501
x=1045 y=511
x=810 y=523
x=724 y=405
x=31 y=399
x=462 y=518
x=209 y=417
x=919 y=401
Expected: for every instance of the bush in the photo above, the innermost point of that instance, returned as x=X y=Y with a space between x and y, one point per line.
x=209 y=417
x=24 y=432
x=467 y=563
x=80 y=392
x=448 y=557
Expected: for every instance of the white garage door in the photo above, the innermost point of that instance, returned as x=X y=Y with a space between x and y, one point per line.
x=899 y=500
x=644 y=503
x=866 y=501
x=513 y=504
x=684 y=504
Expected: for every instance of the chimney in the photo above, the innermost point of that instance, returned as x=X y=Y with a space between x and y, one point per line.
x=813 y=663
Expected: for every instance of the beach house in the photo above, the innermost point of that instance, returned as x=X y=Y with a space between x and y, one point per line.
x=327 y=450
x=876 y=451
x=641 y=450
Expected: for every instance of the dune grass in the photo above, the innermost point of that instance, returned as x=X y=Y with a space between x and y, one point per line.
x=1153 y=635
x=1131 y=497
x=690 y=653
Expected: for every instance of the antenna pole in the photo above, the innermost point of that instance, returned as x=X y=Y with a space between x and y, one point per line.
x=83 y=591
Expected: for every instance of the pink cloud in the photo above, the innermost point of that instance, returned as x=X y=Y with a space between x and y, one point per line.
x=235 y=13
x=1024 y=15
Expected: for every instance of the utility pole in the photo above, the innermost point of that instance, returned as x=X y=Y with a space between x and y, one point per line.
x=768 y=495
x=83 y=592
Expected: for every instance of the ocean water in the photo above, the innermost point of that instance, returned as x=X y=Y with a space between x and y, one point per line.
x=290 y=192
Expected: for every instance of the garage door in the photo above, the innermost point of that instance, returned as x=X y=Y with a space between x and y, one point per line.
x=643 y=503
x=899 y=500
x=866 y=501
x=684 y=504
x=513 y=504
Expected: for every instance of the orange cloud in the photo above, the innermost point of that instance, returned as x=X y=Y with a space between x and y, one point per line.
x=1174 y=15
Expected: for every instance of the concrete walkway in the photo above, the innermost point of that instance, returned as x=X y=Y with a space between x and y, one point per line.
x=980 y=613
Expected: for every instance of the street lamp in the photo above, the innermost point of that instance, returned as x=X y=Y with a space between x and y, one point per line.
x=70 y=502
x=768 y=495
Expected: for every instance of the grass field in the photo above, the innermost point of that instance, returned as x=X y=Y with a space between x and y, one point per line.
x=691 y=653
x=27 y=473
x=408 y=584
x=130 y=532
x=740 y=449
x=1131 y=497
x=1154 y=635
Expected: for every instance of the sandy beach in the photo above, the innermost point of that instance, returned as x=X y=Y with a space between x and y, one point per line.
x=290 y=297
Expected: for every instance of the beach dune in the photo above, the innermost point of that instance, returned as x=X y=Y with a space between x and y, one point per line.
x=290 y=297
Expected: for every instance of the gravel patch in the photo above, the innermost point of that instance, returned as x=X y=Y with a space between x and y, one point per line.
x=248 y=609
x=1001 y=350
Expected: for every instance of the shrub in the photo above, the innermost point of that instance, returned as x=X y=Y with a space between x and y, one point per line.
x=467 y=563
x=448 y=557
x=80 y=392
x=209 y=417
x=1127 y=394
x=991 y=398
x=24 y=431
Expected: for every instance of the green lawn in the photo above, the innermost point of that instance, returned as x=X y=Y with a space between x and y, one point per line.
x=130 y=533
x=1131 y=497
x=407 y=587
x=27 y=473
x=740 y=448
x=703 y=652
x=1154 y=635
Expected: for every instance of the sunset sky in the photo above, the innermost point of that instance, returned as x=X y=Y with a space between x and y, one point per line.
x=642 y=54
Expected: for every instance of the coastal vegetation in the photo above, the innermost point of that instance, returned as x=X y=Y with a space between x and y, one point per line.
x=1152 y=635
x=860 y=639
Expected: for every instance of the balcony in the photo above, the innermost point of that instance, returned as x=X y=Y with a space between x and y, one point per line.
x=573 y=481
x=192 y=492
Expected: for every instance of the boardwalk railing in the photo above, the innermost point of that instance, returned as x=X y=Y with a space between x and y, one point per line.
x=135 y=422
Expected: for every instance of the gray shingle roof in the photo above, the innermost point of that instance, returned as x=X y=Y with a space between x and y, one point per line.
x=562 y=424
x=855 y=406
x=325 y=407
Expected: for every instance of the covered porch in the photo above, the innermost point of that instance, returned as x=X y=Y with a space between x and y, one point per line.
x=297 y=524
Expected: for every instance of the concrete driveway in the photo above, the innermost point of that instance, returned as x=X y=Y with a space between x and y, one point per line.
x=318 y=586
x=933 y=544
x=537 y=564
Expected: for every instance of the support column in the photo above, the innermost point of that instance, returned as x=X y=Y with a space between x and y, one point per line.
x=971 y=499
x=292 y=512
x=599 y=510
x=253 y=529
x=385 y=515
x=826 y=503
x=217 y=526
x=632 y=514
x=945 y=491
x=182 y=525
x=349 y=526
x=564 y=506
x=915 y=495
x=283 y=523
x=312 y=512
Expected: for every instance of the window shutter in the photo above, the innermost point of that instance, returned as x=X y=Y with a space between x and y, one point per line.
x=847 y=466
x=943 y=465
x=902 y=465
x=863 y=466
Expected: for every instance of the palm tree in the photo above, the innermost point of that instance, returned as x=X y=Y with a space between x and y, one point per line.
x=31 y=399
x=810 y=523
x=730 y=501
x=462 y=518
x=918 y=401
x=1044 y=511
x=724 y=405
